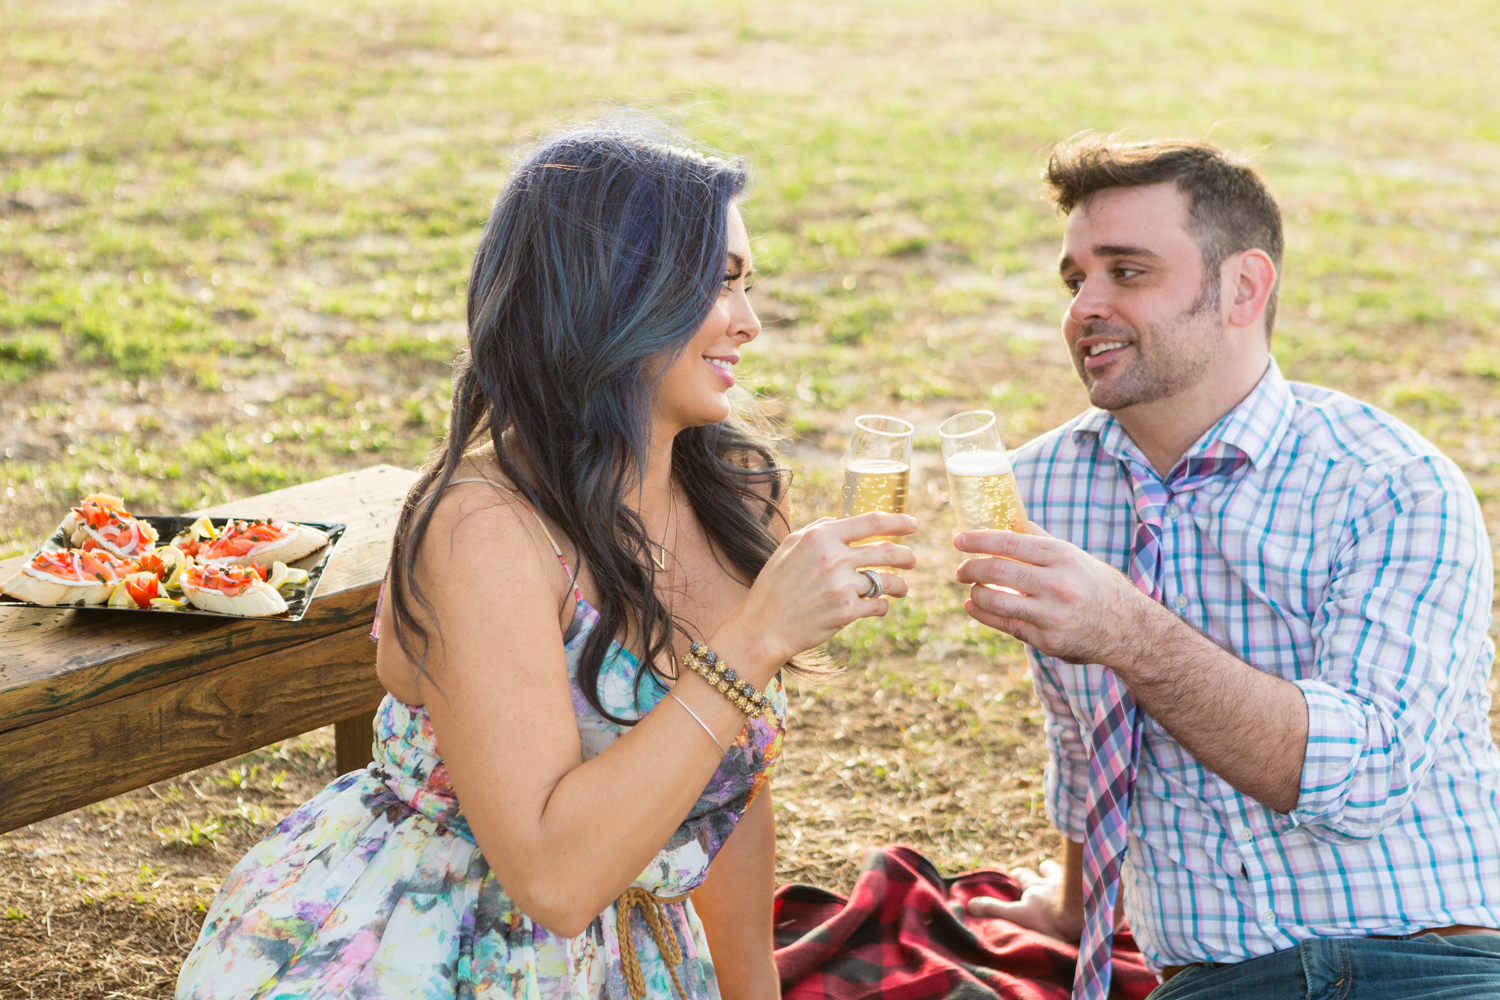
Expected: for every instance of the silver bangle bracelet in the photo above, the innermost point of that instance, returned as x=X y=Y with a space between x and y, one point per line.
x=700 y=722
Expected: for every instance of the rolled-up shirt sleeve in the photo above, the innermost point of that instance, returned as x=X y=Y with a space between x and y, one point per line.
x=1065 y=781
x=1402 y=627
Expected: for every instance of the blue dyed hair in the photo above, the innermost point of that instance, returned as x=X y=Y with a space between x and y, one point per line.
x=600 y=261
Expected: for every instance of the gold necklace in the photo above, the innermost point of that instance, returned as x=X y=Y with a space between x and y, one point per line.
x=661 y=563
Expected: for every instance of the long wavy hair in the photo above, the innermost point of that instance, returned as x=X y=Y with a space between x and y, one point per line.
x=603 y=255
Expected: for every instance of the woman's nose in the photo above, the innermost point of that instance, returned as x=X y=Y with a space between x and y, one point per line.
x=745 y=323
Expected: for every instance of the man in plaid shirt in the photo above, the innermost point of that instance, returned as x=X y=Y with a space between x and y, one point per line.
x=1257 y=613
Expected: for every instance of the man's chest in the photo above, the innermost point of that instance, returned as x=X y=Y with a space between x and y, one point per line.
x=1249 y=560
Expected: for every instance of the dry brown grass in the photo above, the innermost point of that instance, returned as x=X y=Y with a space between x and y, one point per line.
x=105 y=901
x=928 y=119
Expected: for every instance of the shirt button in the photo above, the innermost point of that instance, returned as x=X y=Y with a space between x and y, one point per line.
x=1268 y=916
x=1173 y=510
x=1245 y=834
x=1180 y=602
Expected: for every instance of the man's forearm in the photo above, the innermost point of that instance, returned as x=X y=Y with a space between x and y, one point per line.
x=1245 y=725
x=1248 y=727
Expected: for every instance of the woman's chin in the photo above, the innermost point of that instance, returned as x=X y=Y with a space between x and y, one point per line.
x=717 y=419
x=710 y=415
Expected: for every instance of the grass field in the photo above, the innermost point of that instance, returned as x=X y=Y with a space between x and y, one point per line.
x=234 y=239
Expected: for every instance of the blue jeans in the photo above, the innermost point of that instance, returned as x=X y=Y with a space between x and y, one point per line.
x=1429 y=967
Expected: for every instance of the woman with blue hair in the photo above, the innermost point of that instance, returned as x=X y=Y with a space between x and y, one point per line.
x=593 y=593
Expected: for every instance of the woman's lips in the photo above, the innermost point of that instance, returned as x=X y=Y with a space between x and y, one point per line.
x=721 y=367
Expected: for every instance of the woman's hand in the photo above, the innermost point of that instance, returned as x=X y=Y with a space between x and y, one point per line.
x=811 y=586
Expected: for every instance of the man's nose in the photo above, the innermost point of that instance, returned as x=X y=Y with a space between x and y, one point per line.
x=1091 y=302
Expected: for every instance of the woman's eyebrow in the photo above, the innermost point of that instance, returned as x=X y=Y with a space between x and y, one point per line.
x=739 y=264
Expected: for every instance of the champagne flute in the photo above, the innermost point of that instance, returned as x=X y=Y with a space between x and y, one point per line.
x=877 y=469
x=981 y=482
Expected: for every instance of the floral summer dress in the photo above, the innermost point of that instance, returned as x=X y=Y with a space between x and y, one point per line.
x=376 y=890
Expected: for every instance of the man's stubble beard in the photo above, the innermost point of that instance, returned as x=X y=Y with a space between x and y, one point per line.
x=1161 y=374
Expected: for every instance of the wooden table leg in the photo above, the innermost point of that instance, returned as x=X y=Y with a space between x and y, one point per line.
x=353 y=740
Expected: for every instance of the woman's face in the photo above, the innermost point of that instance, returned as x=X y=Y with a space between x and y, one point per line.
x=695 y=390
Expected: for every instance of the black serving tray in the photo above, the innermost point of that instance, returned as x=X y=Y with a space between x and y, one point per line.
x=168 y=528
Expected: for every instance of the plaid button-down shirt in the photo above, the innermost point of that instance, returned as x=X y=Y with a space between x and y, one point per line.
x=1350 y=558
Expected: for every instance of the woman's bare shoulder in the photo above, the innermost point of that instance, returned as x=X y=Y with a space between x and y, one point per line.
x=483 y=537
x=481 y=510
x=482 y=550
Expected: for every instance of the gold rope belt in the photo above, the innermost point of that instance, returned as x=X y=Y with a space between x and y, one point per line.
x=650 y=905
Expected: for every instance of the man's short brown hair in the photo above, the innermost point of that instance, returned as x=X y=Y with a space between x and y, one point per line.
x=1229 y=207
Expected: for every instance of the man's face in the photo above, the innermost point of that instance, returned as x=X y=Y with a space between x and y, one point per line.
x=1142 y=325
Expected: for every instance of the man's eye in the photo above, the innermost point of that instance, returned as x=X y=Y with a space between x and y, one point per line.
x=1072 y=285
x=1126 y=273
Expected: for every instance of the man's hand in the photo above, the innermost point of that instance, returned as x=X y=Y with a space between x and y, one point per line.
x=1046 y=904
x=1247 y=726
x=1068 y=604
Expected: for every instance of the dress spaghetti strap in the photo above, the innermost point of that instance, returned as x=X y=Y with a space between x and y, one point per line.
x=572 y=578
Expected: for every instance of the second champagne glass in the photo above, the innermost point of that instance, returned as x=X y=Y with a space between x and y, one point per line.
x=877 y=468
x=981 y=482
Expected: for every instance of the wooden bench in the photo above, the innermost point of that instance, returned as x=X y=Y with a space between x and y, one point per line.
x=96 y=703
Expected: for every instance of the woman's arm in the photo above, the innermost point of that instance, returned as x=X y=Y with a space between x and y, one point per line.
x=735 y=905
x=735 y=902
x=566 y=837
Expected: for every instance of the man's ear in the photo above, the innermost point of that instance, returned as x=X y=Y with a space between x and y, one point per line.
x=1249 y=276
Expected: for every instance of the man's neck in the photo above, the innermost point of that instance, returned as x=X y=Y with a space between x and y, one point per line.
x=1164 y=429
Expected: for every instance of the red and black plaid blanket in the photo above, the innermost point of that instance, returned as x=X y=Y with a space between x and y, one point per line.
x=904 y=934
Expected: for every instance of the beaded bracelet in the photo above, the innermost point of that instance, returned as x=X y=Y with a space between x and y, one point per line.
x=706 y=664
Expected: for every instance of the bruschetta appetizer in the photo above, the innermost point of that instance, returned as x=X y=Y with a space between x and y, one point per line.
x=261 y=543
x=102 y=522
x=69 y=577
x=231 y=590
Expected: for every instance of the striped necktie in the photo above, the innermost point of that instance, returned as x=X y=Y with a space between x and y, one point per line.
x=1116 y=735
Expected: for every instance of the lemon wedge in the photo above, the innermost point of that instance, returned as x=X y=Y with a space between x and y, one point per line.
x=285 y=577
x=166 y=604
x=121 y=598
x=178 y=563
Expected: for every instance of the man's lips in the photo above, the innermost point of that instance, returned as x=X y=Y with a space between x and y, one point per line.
x=1099 y=351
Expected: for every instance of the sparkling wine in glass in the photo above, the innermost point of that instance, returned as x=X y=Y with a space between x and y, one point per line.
x=877 y=469
x=981 y=482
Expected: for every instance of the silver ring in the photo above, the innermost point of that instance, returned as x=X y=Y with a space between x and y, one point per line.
x=877 y=585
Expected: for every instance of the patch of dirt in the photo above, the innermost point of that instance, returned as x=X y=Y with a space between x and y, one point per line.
x=105 y=901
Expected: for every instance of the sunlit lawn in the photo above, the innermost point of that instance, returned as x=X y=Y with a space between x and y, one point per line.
x=234 y=240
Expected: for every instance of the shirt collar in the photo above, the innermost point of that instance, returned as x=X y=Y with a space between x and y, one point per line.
x=1255 y=426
